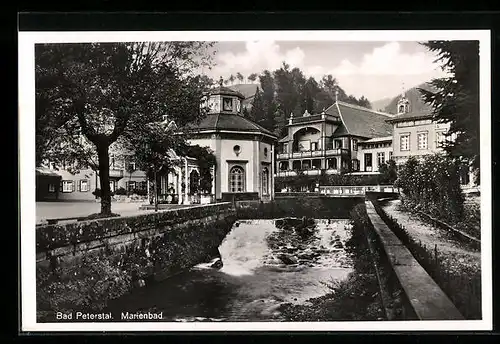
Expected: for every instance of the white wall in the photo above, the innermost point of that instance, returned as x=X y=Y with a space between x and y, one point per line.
x=247 y=152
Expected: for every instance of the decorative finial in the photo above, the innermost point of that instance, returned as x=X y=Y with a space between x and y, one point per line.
x=221 y=81
x=291 y=114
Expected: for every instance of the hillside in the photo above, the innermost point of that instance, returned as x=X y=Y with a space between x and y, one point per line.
x=415 y=97
x=380 y=105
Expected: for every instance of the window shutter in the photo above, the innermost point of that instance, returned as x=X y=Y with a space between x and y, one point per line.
x=72 y=186
x=79 y=186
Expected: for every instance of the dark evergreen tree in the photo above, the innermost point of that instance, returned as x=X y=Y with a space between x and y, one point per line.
x=456 y=99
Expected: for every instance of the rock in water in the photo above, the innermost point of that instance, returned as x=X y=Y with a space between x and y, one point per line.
x=217 y=264
x=288 y=259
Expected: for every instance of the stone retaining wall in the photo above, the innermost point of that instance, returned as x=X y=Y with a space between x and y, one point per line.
x=135 y=248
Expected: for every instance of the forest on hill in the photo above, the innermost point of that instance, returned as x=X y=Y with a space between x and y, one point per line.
x=288 y=90
x=415 y=98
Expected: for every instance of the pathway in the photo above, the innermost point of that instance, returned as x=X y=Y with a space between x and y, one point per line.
x=455 y=254
x=54 y=210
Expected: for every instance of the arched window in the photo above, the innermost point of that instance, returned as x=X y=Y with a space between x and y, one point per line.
x=236 y=179
x=265 y=181
x=194 y=182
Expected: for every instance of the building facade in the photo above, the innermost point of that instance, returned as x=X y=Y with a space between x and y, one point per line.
x=332 y=141
x=244 y=150
x=415 y=134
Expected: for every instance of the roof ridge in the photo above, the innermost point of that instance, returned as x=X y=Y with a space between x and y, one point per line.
x=341 y=117
x=365 y=109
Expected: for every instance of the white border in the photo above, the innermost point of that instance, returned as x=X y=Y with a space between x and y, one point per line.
x=27 y=168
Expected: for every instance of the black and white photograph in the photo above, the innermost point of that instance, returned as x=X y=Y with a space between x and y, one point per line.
x=256 y=180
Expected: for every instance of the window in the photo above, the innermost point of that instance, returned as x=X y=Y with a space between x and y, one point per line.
x=354 y=144
x=67 y=186
x=84 y=185
x=390 y=155
x=227 y=104
x=368 y=162
x=237 y=150
x=381 y=158
x=314 y=146
x=131 y=186
x=265 y=181
x=237 y=179
x=131 y=166
x=440 y=139
x=285 y=148
x=265 y=152
x=404 y=142
x=52 y=188
x=422 y=140
x=355 y=164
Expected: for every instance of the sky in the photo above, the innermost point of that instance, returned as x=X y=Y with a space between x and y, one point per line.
x=375 y=70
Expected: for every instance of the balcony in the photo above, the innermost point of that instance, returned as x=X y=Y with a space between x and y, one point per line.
x=312 y=172
x=312 y=154
x=313 y=118
x=115 y=173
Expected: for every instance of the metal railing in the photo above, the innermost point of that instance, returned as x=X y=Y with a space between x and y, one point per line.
x=313 y=154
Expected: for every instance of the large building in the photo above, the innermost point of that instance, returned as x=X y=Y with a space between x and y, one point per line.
x=415 y=133
x=244 y=150
x=344 y=137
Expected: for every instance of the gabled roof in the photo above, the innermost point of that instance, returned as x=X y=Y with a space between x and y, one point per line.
x=46 y=172
x=411 y=116
x=360 y=121
x=225 y=91
x=228 y=122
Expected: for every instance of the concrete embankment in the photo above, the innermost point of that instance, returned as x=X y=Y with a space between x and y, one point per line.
x=426 y=298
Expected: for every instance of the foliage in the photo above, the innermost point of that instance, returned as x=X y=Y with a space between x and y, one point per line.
x=433 y=186
x=97 y=193
x=388 y=172
x=108 y=91
x=456 y=99
x=206 y=161
x=288 y=90
x=121 y=191
x=88 y=285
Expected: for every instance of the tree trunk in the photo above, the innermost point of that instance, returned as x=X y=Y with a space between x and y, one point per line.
x=103 y=154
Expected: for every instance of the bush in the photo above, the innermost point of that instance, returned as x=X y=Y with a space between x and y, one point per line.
x=433 y=186
x=97 y=193
x=120 y=191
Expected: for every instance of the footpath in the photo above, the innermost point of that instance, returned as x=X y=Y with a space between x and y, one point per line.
x=456 y=256
x=426 y=298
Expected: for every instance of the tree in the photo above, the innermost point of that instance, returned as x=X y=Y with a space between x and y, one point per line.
x=231 y=79
x=240 y=77
x=456 y=99
x=258 y=112
x=388 y=172
x=206 y=160
x=268 y=102
x=252 y=77
x=108 y=91
x=364 y=102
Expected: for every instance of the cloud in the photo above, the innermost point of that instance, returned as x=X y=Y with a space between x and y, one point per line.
x=257 y=56
x=380 y=73
x=389 y=60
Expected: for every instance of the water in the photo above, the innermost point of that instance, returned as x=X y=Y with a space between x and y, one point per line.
x=254 y=281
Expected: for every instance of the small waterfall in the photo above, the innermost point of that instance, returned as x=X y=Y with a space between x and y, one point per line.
x=244 y=248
